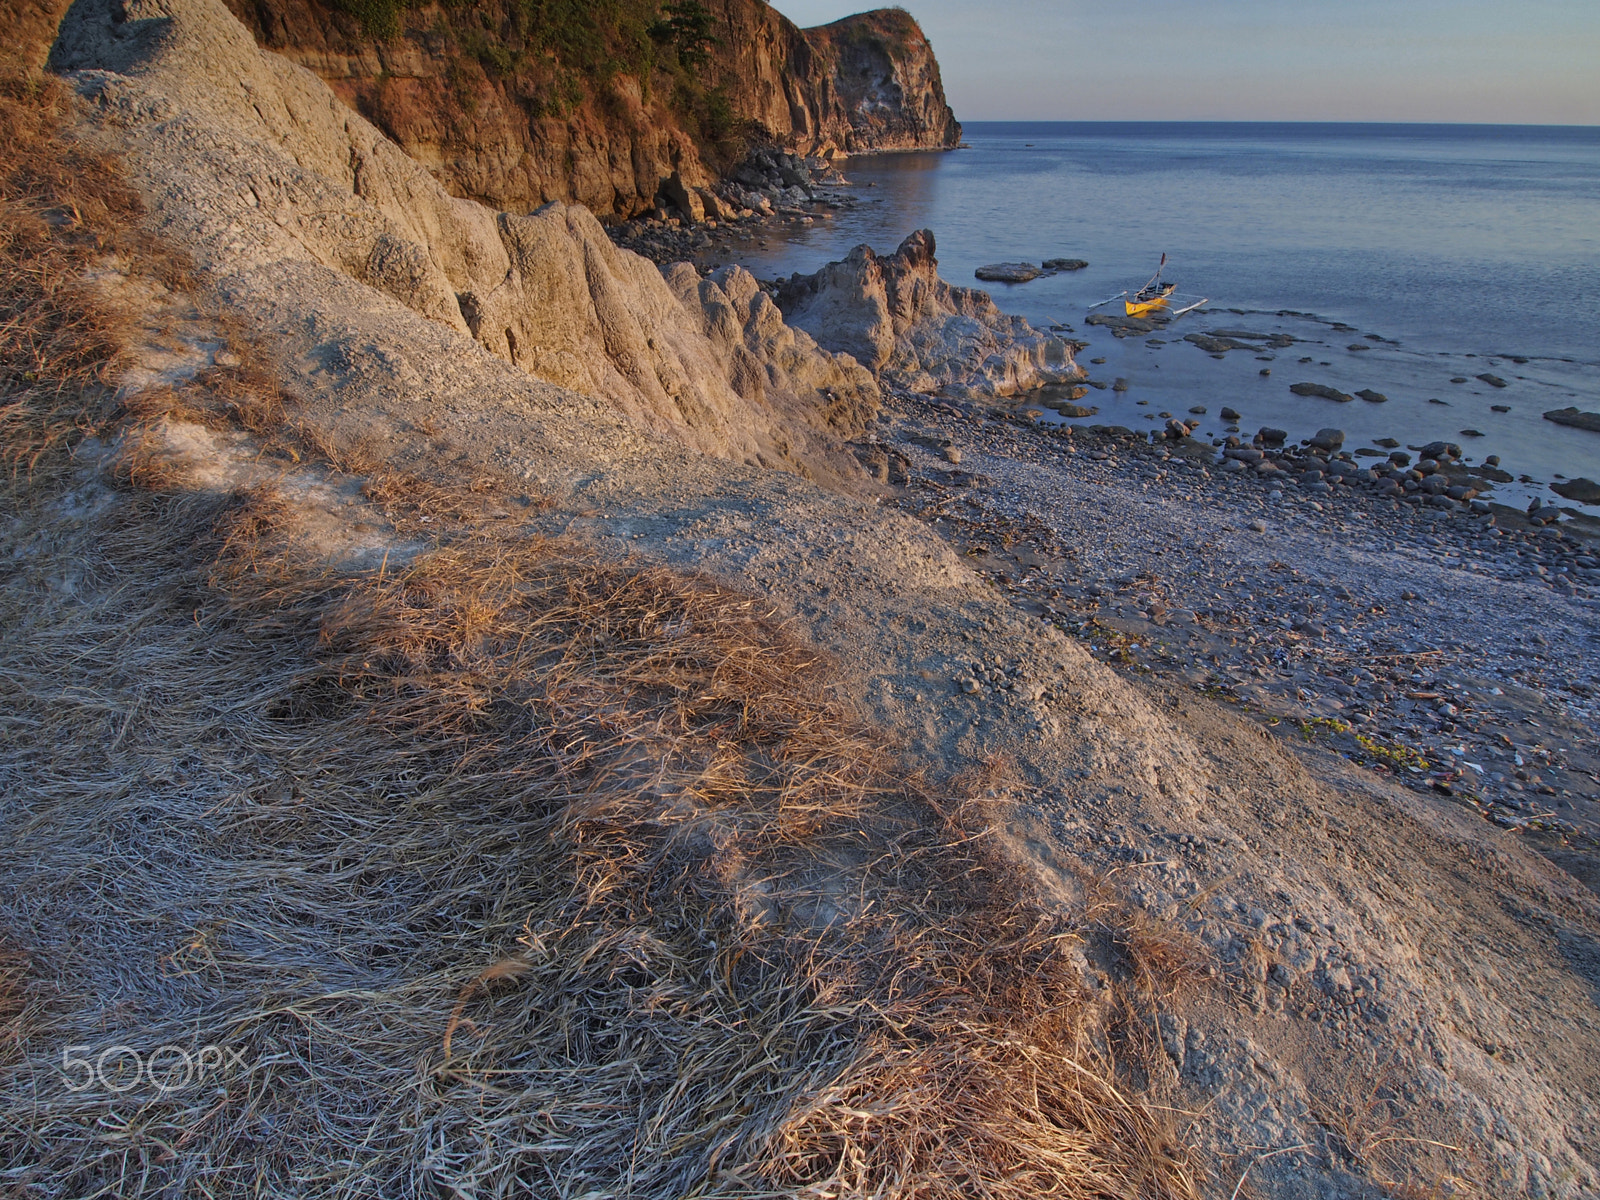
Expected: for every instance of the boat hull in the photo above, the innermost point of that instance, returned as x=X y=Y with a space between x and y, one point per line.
x=1138 y=308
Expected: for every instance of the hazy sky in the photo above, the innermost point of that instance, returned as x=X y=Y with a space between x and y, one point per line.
x=1521 y=61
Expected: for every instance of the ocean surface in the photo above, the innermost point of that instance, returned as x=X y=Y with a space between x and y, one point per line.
x=1464 y=248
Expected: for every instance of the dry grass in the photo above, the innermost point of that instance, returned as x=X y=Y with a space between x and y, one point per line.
x=62 y=208
x=507 y=871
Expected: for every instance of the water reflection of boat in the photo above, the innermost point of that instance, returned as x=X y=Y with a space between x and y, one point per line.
x=1155 y=296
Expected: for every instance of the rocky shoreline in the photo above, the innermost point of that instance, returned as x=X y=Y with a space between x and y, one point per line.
x=1336 y=611
x=1450 y=647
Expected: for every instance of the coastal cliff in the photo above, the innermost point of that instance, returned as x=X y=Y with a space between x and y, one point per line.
x=606 y=105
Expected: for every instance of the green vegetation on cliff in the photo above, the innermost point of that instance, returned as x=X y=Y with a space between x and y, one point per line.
x=517 y=102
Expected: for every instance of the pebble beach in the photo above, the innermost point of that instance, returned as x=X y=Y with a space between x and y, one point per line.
x=1454 y=649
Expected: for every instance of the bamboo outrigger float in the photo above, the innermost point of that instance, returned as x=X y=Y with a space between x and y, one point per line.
x=1154 y=296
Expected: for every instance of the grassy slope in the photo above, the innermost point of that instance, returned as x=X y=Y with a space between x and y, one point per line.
x=505 y=869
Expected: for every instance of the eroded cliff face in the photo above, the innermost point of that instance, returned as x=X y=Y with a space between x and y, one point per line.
x=286 y=199
x=504 y=112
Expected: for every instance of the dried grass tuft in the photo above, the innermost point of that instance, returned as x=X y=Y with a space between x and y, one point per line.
x=62 y=209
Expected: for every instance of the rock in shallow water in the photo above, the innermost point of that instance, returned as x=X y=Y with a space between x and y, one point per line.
x=1584 y=491
x=1574 y=418
x=1016 y=272
x=1320 y=389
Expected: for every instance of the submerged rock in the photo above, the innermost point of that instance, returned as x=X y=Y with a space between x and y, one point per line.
x=1320 y=389
x=1372 y=397
x=1216 y=345
x=1575 y=418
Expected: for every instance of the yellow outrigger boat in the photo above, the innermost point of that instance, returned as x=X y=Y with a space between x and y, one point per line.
x=1154 y=296
x=1149 y=298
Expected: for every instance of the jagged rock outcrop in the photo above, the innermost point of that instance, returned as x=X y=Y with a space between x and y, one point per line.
x=253 y=165
x=896 y=315
x=500 y=116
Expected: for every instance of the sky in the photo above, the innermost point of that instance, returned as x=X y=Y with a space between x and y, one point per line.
x=1489 y=61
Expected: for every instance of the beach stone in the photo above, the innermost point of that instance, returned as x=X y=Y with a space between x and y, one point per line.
x=1492 y=380
x=1500 y=408
x=1229 y=414
x=1012 y=272
x=1258 y=525
x=1272 y=437
x=1233 y=466
x=1327 y=439
x=1441 y=450
x=1065 y=264
x=1198 y=410
x=1574 y=418
x=1322 y=390
x=1372 y=397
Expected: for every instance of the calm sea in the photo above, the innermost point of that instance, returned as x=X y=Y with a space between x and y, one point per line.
x=1462 y=247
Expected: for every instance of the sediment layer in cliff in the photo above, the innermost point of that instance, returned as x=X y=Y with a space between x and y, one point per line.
x=516 y=105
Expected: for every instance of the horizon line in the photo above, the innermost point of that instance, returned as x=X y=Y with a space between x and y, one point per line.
x=1261 y=121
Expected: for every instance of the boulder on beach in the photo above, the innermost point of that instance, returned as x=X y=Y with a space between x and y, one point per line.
x=1065 y=264
x=1320 y=389
x=1584 y=491
x=1229 y=414
x=1272 y=437
x=1327 y=439
x=1012 y=272
x=1575 y=418
x=1372 y=397
x=1441 y=450
x=1492 y=380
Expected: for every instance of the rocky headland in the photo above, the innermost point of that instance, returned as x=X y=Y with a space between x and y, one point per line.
x=618 y=108
x=573 y=724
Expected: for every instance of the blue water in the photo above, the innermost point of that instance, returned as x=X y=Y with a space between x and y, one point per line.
x=1459 y=245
